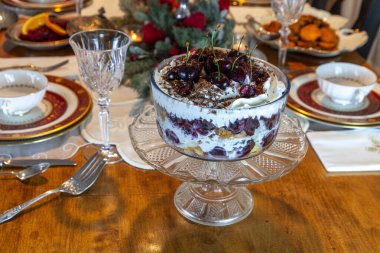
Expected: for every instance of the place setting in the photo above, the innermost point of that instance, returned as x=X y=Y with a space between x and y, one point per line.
x=341 y=101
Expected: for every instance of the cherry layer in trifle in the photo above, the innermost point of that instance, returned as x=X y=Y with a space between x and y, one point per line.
x=218 y=104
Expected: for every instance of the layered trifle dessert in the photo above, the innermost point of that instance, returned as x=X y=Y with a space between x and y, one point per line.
x=218 y=104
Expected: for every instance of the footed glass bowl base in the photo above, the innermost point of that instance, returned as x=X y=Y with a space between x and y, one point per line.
x=213 y=205
x=214 y=193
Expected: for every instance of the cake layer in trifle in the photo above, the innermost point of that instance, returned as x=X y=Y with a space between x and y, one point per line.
x=208 y=109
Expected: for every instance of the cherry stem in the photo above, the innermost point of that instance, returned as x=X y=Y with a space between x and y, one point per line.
x=199 y=57
x=240 y=43
x=187 y=51
x=212 y=42
x=234 y=63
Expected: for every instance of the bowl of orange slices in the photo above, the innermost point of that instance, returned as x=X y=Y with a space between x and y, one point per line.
x=44 y=31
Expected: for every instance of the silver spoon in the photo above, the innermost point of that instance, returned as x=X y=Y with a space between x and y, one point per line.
x=29 y=172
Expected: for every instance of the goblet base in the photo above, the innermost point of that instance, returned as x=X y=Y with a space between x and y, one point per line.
x=213 y=205
x=111 y=154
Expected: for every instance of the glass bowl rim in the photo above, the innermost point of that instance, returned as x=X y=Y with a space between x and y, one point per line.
x=73 y=45
x=168 y=60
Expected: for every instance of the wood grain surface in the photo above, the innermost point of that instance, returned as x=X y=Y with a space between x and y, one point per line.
x=132 y=210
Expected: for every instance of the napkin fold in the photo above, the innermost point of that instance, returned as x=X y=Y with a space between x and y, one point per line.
x=62 y=147
x=121 y=116
x=347 y=150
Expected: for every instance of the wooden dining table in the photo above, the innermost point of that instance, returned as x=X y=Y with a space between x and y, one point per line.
x=132 y=210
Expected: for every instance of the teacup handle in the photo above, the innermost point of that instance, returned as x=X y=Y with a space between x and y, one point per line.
x=5 y=106
x=358 y=97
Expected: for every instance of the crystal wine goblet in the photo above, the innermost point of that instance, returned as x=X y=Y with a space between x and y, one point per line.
x=101 y=56
x=286 y=12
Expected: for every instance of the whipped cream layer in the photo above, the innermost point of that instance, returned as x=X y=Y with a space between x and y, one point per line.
x=243 y=128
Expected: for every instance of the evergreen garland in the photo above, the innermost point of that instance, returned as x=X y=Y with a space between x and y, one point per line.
x=162 y=14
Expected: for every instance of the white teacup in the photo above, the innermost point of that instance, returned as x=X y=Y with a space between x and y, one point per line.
x=21 y=91
x=345 y=83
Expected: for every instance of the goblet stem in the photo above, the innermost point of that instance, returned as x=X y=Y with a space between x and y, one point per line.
x=283 y=45
x=78 y=7
x=104 y=120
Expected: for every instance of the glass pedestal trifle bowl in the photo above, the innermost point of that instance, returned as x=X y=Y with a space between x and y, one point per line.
x=221 y=135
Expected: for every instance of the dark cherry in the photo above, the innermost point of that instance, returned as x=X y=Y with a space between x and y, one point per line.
x=172 y=74
x=198 y=57
x=221 y=81
x=187 y=72
x=185 y=89
x=251 y=125
x=245 y=151
x=270 y=122
x=247 y=91
x=267 y=140
x=233 y=54
x=193 y=72
x=245 y=66
x=187 y=127
x=225 y=66
x=259 y=76
x=172 y=118
x=202 y=126
x=236 y=127
x=209 y=65
x=243 y=59
x=238 y=74
x=218 y=152
x=179 y=122
x=171 y=136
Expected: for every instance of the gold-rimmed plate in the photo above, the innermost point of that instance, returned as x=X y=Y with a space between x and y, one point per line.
x=307 y=100
x=13 y=34
x=64 y=106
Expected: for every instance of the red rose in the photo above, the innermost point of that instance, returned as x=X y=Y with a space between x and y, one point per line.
x=151 y=34
x=172 y=3
x=224 y=5
x=197 y=20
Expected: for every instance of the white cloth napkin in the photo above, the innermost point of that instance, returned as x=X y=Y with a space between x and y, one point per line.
x=347 y=150
x=63 y=146
x=121 y=116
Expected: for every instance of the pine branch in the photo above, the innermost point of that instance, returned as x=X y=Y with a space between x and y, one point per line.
x=141 y=83
x=135 y=67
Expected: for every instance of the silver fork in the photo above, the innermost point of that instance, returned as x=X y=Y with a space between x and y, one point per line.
x=37 y=68
x=83 y=179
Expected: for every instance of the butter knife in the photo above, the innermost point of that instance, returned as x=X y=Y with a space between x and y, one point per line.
x=29 y=162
